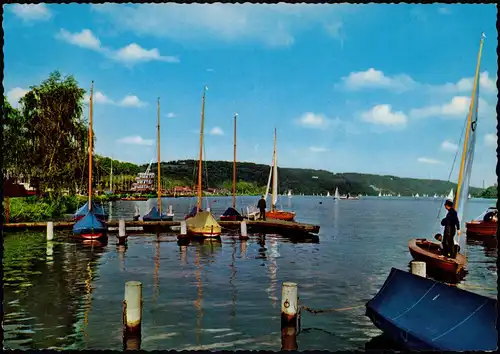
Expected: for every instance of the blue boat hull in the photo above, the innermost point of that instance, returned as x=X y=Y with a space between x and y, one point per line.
x=422 y=314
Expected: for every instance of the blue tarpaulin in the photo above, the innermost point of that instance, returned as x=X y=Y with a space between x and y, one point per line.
x=88 y=224
x=422 y=314
x=231 y=212
x=97 y=209
x=154 y=215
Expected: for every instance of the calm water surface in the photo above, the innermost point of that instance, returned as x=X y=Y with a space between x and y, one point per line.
x=65 y=294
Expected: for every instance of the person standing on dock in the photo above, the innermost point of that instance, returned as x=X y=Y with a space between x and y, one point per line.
x=262 y=208
x=451 y=226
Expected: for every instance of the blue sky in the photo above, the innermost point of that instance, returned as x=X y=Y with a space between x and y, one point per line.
x=351 y=88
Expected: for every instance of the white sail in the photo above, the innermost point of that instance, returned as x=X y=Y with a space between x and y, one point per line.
x=289 y=193
x=275 y=175
x=451 y=195
x=379 y=194
x=337 y=195
x=328 y=194
x=269 y=180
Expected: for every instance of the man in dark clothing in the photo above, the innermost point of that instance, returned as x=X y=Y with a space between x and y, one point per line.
x=262 y=208
x=488 y=217
x=451 y=226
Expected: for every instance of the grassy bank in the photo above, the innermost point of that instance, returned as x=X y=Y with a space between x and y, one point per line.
x=39 y=209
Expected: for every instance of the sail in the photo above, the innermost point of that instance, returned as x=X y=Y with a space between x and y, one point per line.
x=269 y=180
x=154 y=215
x=451 y=195
x=469 y=159
x=337 y=196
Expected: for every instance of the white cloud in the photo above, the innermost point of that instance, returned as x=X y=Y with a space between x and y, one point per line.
x=131 y=101
x=171 y=115
x=136 y=140
x=135 y=53
x=15 y=94
x=487 y=85
x=31 y=12
x=372 y=78
x=99 y=98
x=130 y=54
x=428 y=161
x=316 y=121
x=490 y=140
x=449 y=146
x=458 y=107
x=444 y=11
x=382 y=114
x=317 y=149
x=84 y=39
x=216 y=131
x=273 y=25
x=210 y=70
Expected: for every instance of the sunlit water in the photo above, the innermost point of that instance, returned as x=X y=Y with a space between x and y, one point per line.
x=65 y=294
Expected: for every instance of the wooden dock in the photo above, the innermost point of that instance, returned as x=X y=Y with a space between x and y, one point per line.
x=253 y=226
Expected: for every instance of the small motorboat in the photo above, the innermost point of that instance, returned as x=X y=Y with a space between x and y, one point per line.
x=485 y=225
x=429 y=252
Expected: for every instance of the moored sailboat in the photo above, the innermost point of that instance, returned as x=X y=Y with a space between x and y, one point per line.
x=90 y=226
x=231 y=213
x=275 y=213
x=156 y=214
x=202 y=223
x=427 y=251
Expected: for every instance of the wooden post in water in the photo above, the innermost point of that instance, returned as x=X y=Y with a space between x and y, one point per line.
x=183 y=228
x=418 y=268
x=243 y=227
x=121 y=228
x=289 y=316
x=50 y=231
x=132 y=315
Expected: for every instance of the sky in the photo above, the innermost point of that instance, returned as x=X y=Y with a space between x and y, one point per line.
x=380 y=89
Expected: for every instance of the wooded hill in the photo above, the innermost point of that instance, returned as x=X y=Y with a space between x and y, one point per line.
x=218 y=174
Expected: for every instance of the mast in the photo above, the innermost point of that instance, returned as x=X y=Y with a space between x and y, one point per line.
x=469 y=121
x=111 y=177
x=234 y=163
x=275 y=176
x=158 y=148
x=198 y=205
x=90 y=144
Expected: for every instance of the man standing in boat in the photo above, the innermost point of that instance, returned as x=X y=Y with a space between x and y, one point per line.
x=451 y=226
x=262 y=208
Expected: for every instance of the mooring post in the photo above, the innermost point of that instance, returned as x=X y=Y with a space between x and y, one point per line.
x=170 y=209
x=183 y=228
x=289 y=316
x=418 y=268
x=243 y=227
x=121 y=228
x=50 y=231
x=132 y=315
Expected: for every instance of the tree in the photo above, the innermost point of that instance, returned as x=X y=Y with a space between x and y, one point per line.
x=14 y=143
x=55 y=133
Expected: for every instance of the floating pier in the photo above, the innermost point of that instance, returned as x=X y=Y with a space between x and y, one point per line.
x=256 y=226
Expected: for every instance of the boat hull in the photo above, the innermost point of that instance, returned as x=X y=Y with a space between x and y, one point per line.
x=421 y=314
x=481 y=228
x=231 y=218
x=280 y=215
x=428 y=252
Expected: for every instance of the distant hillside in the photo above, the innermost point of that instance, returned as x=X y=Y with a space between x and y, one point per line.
x=307 y=181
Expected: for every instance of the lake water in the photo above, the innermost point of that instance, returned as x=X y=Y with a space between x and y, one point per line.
x=64 y=294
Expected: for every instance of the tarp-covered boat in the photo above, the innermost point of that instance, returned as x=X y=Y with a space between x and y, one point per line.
x=231 y=214
x=422 y=314
x=202 y=224
x=90 y=227
x=97 y=210
x=485 y=225
x=154 y=215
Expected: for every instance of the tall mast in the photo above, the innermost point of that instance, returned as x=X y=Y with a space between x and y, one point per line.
x=469 y=120
x=275 y=176
x=90 y=144
x=198 y=205
x=234 y=163
x=111 y=177
x=158 y=147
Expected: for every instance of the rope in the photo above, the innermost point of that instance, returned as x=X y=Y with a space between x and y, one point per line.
x=315 y=311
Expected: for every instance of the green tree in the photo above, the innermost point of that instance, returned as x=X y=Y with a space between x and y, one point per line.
x=14 y=143
x=55 y=133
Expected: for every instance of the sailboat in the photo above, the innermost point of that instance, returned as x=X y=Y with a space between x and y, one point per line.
x=379 y=194
x=450 y=195
x=231 y=213
x=155 y=214
x=336 y=196
x=90 y=219
x=202 y=223
x=427 y=251
x=328 y=193
x=289 y=193
x=275 y=213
